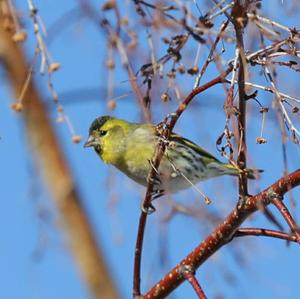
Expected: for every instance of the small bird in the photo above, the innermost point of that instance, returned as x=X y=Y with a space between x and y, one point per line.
x=130 y=148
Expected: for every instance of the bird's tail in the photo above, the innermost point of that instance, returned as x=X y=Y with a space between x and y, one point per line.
x=250 y=173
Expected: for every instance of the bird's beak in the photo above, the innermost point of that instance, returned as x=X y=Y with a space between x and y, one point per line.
x=90 y=142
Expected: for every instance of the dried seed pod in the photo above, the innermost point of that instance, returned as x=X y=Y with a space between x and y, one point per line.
x=111 y=104
x=60 y=109
x=264 y=109
x=220 y=138
x=205 y=22
x=53 y=67
x=181 y=69
x=171 y=73
x=165 y=97
x=19 y=36
x=110 y=4
x=76 y=138
x=207 y=200
x=261 y=140
x=110 y=63
x=18 y=107
x=193 y=71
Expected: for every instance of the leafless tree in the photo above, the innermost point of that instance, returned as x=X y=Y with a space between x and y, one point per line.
x=243 y=44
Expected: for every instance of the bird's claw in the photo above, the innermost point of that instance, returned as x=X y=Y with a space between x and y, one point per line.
x=157 y=193
x=147 y=208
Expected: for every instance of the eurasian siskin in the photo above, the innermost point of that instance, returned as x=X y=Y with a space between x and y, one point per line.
x=130 y=147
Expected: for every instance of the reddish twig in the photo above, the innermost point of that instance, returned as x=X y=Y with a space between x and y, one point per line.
x=156 y=162
x=189 y=275
x=211 y=53
x=262 y=232
x=220 y=79
x=138 y=255
x=223 y=234
x=279 y=204
x=269 y=215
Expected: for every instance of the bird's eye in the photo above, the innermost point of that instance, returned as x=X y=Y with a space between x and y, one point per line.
x=102 y=133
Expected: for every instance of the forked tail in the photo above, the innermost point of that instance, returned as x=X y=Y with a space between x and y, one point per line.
x=252 y=174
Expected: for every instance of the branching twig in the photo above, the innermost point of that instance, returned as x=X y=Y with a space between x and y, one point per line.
x=189 y=275
x=211 y=54
x=156 y=162
x=279 y=204
x=223 y=234
x=263 y=232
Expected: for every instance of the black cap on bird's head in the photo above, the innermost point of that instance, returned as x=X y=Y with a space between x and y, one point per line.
x=98 y=123
x=95 y=126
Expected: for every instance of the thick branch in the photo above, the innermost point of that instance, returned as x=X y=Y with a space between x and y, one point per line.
x=46 y=150
x=223 y=234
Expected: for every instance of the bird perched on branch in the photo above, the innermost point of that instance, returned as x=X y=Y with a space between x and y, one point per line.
x=130 y=147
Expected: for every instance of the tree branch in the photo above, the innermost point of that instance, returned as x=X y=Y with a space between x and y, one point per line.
x=263 y=232
x=278 y=203
x=155 y=165
x=189 y=275
x=56 y=173
x=223 y=234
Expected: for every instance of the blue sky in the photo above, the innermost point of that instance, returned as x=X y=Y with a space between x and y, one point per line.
x=34 y=256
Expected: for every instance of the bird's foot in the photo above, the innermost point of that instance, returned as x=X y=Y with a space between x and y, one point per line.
x=147 y=208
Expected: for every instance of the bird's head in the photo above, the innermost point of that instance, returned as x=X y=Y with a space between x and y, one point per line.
x=107 y=135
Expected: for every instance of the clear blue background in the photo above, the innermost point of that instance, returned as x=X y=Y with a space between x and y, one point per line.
x=34 y=256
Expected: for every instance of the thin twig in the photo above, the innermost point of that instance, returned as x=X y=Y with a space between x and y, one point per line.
x=279 y=204
x=268 y=21
x=223 y=234
x=189 y=275
x=269 y=89
x=211 y=54
x=263 y=232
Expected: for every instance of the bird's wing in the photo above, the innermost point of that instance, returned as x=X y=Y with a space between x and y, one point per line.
x=186 y=142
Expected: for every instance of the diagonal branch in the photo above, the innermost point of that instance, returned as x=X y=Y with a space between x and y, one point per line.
x=279 y=204
x=223 y=234
x=56 y=173
x=189 y=275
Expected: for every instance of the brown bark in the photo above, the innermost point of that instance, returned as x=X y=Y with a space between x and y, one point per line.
x=223 y=234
